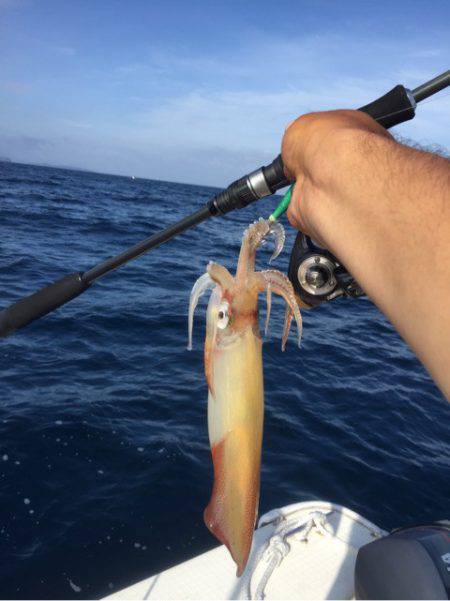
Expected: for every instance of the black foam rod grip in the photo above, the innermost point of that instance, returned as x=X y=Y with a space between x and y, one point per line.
x=40 y=303
x=391 y=109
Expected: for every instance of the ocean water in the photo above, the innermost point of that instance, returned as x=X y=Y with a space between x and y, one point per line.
x=104 y=459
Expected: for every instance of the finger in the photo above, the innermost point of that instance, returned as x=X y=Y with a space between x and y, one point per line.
x=295 y=218
x=294 y=209
x=292 y=148
x=289 y=124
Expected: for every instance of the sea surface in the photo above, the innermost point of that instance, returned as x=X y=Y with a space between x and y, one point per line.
x=104 y=460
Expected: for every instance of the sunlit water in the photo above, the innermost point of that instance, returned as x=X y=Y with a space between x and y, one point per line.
x=104 y=461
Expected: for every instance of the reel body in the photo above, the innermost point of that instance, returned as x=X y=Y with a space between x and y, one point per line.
x=316 y=274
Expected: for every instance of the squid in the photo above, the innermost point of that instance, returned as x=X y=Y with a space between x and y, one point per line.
x=234 y=374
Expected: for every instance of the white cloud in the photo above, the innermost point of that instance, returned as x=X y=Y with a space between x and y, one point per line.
x=427 y=53
x=130 y=69
x=12 y=3
x=208 y=119
x=255 y=121
x=72 y=123
x=242 y=103
x=65 y=50
x=15 y=87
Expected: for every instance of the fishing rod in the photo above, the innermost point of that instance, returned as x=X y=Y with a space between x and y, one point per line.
x=395 y=107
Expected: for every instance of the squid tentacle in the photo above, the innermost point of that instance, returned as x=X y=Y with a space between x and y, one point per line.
x=216 y=275
x=277 y=231
x=204 y=283
x=254 y=236
x=287 y=326
x=220 y=275
x=281 y=285
x=268 y=307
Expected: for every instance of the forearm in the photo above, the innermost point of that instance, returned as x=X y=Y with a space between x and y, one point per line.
x=384 y=210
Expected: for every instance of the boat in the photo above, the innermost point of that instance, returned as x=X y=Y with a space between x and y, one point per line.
x=314 y=550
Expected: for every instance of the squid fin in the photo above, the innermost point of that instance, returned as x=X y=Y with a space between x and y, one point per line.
x=231 y=516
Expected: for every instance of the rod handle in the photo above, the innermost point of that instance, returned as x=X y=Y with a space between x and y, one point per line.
x=394 y=107
x=40 y=303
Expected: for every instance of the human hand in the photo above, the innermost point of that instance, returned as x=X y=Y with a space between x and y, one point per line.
x=311 y=148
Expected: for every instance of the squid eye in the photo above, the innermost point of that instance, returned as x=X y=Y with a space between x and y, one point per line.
x=223 y=316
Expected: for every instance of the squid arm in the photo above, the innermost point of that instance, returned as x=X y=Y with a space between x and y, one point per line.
x=204 y=283
x=268 y=307
x=270 y=281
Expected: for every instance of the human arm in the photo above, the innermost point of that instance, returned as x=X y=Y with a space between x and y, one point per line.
x=384 y=210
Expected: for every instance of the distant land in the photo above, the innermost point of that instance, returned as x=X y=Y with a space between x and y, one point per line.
x=69 y=168
x=83 y=169
x=65 y=167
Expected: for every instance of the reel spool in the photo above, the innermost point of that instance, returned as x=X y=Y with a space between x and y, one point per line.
x=317 y=276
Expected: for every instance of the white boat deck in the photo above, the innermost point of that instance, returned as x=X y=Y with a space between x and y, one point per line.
x=301 y=551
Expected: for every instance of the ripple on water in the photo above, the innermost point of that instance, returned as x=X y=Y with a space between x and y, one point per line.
x=103 y=412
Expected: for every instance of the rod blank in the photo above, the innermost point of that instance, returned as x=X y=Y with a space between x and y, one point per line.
x=431 y=87
x=142 y=247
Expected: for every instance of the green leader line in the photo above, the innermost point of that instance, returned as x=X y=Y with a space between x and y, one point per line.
x=283 y=205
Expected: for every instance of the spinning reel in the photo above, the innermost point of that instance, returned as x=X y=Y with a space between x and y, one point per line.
x=317 y=275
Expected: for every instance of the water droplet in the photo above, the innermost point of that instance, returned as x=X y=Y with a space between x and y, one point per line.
x=74 y=587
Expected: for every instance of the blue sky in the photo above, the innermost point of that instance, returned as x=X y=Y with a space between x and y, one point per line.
x=200 y=91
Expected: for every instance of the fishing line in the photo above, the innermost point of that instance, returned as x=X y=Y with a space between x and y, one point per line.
x=253 y=186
